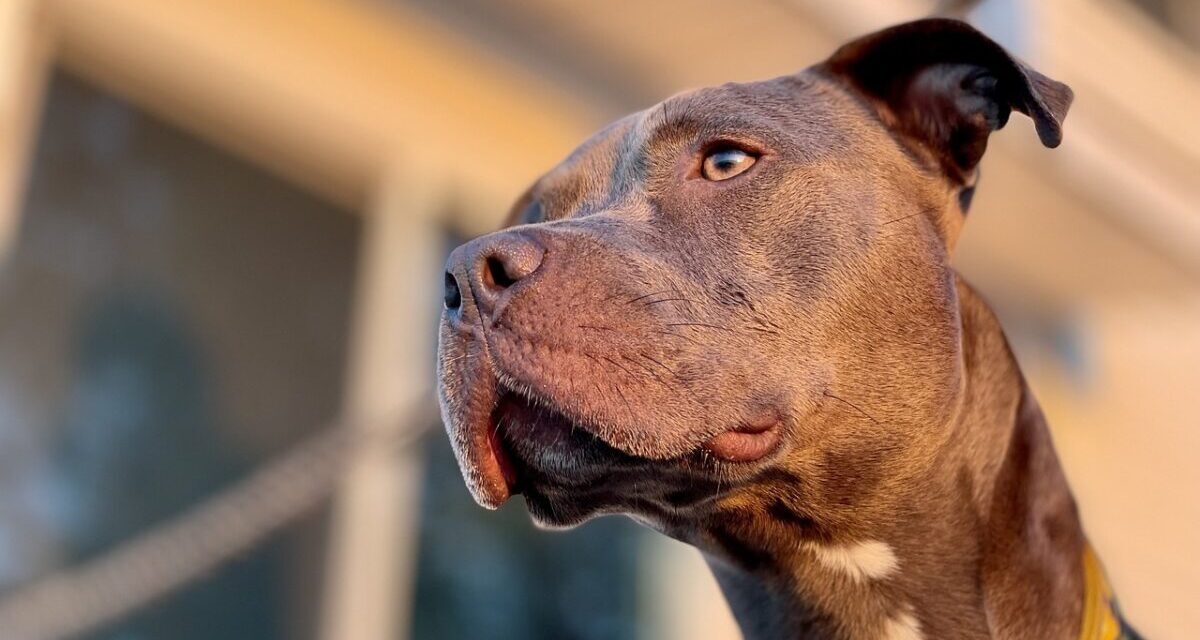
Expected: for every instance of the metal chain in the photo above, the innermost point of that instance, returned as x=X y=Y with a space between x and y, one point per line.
x=172 y=555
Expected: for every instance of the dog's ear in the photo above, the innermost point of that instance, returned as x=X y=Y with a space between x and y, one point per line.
x=945 y=86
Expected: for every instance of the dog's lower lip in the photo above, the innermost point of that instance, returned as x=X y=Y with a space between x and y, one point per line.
x=503 y=459
x=748 y=442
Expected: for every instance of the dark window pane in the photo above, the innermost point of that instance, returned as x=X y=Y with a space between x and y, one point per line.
x=485 y=574
x=169 y=317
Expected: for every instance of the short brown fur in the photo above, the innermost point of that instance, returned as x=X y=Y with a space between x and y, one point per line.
x=634 y=312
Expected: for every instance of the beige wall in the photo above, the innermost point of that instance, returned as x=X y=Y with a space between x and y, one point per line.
x=1129 y=436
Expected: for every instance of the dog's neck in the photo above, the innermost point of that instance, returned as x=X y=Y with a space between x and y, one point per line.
x=983 y=543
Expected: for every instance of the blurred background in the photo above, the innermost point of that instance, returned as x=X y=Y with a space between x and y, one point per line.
x=221 y=231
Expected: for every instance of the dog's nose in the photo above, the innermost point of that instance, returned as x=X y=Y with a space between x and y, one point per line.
x=493 y=265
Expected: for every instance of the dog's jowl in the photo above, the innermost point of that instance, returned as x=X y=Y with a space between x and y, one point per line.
x=733 y=317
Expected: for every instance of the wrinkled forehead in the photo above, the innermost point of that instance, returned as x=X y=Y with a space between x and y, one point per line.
x=803 y=116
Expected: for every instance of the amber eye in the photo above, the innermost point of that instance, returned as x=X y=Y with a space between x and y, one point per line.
x=725 y=163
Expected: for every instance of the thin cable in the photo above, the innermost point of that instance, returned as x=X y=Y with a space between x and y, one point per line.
x=158 y=562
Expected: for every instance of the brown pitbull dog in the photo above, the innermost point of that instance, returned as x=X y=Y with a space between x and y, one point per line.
x=733 y=317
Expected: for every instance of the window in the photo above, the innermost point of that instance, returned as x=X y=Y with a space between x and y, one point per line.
x=169 y=317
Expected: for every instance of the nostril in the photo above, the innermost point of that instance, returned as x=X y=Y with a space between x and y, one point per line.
x=502 y=262
x=497 y=274
x=452 y=296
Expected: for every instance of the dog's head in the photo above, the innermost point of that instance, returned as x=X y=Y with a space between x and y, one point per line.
x=742 y=283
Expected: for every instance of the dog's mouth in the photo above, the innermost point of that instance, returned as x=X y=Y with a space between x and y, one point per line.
x=531 y=447
x=505 y=441
x=526 y=425
x=535 y=446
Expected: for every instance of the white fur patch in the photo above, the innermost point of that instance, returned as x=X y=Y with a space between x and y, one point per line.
x=871 y=560
x=902 y=627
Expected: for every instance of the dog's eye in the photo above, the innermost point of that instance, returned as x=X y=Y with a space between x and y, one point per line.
x=725 y=163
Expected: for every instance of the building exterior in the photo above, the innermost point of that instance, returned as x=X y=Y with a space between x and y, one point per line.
x=329 y=152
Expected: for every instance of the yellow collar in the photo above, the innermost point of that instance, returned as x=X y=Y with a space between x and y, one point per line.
x=1100 y=619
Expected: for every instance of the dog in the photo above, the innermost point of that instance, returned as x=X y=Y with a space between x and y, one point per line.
x=733 y=318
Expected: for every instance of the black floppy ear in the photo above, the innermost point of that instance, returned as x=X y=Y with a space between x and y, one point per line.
x=945 y=86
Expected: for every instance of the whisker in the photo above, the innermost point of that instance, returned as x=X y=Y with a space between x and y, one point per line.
x=659 y=363
x=651 y=372
x=649 y=295
x=913 y=215
x=628 y=408
x=618 y=365
x=654 y=302
x=851 y=405
x=698 y=324
x=610 y=296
